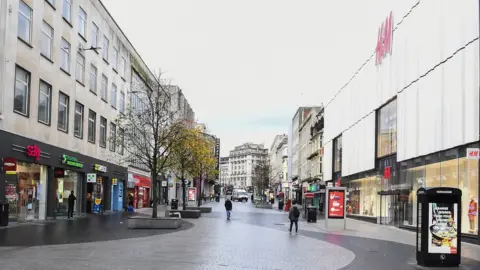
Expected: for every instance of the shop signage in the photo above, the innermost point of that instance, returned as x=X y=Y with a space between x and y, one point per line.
x=99 y=179
x=442 y=224
x=71 y=161
x=114 y=181
x=100 y=168
x=10 y=166
x=335 y=204
x=34 y=151
x=59 y=172
x=97 y=205
x=91 y=177
x=192 y=192
x=384 y=40
x=164 y=183
x=473 y=153
x=386 y=172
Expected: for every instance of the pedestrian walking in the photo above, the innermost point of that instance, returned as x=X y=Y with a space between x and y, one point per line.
x=293 y=215
x=71 y=204
x=228 y=207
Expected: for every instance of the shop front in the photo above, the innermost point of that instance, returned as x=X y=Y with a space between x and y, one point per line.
x=38 y=178
x=138 y=190
x=117 y=192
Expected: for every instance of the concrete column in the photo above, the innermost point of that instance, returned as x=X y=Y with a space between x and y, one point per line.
x=51 y=194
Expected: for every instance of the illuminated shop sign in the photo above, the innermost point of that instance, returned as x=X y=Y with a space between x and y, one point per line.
x=71 y=161
x=34 y=151
x=384 y=40
x=100 y=168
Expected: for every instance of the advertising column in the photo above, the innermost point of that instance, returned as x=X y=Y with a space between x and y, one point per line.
x=335 y=202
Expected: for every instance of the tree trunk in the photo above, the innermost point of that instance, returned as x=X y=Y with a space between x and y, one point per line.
x=155 y=195
x=184 y=199
x=200 y=192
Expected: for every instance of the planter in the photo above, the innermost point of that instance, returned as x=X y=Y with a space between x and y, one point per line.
x=185 y=213
x=203 y=209
x=138 y=222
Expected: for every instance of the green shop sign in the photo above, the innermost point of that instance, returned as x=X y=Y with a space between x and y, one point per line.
x=71 y=161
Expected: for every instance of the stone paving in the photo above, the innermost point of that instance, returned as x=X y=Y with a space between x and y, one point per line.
x=253 y=239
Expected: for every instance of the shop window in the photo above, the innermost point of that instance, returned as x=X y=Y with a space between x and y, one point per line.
x=337 y=154
x=103 y=132
x=78 y=121
x=433 y=175
x=469 y=185
x=63 y=187
x=414 y=179
x=92 y=126
x=449 y=171
x=63 y=106
x=44 y=103
x=387 y=129
x=22 y=91
x=362 y=196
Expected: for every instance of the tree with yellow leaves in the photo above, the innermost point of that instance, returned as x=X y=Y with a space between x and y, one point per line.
x=192 y=156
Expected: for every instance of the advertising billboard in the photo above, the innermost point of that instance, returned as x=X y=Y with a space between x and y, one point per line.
x=442 y=228
x=192 y=192
x=336 y=208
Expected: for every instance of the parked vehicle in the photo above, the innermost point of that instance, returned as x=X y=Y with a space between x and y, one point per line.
x=240 y=195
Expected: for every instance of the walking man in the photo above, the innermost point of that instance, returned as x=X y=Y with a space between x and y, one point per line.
x=71 y=204
x=293 y=215
x=228 y=207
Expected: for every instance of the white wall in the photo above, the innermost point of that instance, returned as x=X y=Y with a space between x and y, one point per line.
x=439 y=111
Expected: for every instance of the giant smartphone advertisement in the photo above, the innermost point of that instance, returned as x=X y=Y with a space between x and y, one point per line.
x=442 y=226
x=192 y=194
x=336 y=208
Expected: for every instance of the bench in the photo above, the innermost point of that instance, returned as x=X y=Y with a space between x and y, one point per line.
x=185 y=213
x=142 y=222
x=203 y=209
x=264 y=206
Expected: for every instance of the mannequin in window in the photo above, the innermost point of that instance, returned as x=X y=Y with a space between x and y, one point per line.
x=472 y=213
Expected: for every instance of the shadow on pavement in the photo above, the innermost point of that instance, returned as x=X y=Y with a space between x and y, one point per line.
x=82 y=230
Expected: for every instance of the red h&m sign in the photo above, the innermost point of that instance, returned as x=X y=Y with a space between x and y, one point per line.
x=384 y=41
x=473 y=153
x=33 y=151
x=387 y=172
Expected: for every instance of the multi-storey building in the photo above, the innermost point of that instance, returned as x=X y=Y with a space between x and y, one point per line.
x=409 y=117
x=242 y=161
x=314 y=182
x=277 y=157
x=67 y=72
x=300 y=150
x=224 y=172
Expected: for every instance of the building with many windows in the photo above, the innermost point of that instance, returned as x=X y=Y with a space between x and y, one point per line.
x=407 y=117
x=66 y=74
x=224 y=172
x=242 y=161
x=278 y=157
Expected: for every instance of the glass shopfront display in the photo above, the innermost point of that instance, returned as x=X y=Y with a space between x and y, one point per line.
x=27 y=196
x=459 y=173
x=362 y=196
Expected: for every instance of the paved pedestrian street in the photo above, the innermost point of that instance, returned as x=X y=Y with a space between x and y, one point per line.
x=252 y=239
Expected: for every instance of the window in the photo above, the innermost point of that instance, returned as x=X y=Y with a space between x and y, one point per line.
x=82 y=22
x=93 y=78
x=122 y=101
x=80 y=70
x=95 y=33
x=92 y=126
x=337 y=152
x=387 y=129
x=62 y=122
x=104 y=88
x=46 y=42
x=113 y=136
x=121 y=140
x=24 y=22
x=44 y=103
x=22 y=91
x=105 y=48
x=78 y=121
x=65 y=51
x=115 y=57
x=114 y=96
x=67 y=10
x=122 y=66
x=103 y=132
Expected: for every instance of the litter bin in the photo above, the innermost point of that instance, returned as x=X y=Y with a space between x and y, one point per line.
x=439 y=221
x=174 y=204
x=312 y=214
x=3 y=214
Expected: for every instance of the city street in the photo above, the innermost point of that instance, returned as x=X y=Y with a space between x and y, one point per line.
x=253 y=239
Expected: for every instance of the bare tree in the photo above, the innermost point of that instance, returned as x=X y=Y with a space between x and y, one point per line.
x=148 y=128
x=263 y=177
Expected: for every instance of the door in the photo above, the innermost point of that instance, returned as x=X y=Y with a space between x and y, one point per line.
x=120 y=195
x=114 y=200
x=391 y=209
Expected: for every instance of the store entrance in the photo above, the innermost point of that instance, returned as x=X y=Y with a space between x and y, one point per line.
x=393 y=207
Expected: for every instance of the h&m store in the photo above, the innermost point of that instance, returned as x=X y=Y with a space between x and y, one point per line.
x=37 y=179
x=410 y=117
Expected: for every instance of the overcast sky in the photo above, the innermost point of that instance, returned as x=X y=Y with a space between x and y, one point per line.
x=245 y=66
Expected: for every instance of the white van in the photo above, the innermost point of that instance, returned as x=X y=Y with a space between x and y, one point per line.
x=240 y=195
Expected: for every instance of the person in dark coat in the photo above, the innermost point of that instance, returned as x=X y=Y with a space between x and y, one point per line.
x=228 y=207
x=71 y=204
x=293 y=215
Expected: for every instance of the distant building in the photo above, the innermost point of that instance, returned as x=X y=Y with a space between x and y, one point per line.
x=278 y=157
x=224 y=172
x=242 y=160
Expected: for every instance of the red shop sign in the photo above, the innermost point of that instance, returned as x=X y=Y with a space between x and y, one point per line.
x=33 y=151
x=384 y=40
x=142 y=181
x=10 y=165
x=386 y=172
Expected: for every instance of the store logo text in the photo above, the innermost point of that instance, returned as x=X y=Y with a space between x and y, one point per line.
x=33 y=151
x=384 y=41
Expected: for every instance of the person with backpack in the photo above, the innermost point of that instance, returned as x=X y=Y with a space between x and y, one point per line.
x=228 y=207
x=293 y=215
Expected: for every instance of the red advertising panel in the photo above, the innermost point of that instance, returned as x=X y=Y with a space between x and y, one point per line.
x=10 y=165
x=336 y=199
